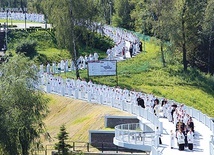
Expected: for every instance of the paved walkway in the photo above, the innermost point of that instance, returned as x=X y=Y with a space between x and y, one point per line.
x=201 y=139
x=28 y=25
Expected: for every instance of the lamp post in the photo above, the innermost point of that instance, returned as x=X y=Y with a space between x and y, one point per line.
x=25 y=10
x=144 y=38
x=6 y=28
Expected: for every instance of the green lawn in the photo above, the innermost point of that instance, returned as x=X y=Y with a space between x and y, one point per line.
x=145 y=73
x=14 y=21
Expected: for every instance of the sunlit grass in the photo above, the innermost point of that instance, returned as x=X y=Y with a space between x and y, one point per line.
x=14 y=21
x=145 y=73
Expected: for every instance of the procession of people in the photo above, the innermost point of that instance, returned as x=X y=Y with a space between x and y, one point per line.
x=22 y=15
x=182 y=135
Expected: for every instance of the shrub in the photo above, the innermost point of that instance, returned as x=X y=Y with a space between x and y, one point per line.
x=27 y=47
x=62 y=146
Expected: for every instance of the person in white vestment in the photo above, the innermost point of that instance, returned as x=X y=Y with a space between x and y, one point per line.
x=180 y=139
x=172 y=139
x=190 y=139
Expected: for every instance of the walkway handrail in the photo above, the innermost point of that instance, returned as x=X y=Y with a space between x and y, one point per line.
x=201 y=117
x=132 y=133
x=212 y=145
x=130 y=107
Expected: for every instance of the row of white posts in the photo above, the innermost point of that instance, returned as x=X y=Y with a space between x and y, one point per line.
x=134 y=109
x=151 y=139
x=207 y=121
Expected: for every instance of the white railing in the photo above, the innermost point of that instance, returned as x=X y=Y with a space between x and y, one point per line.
x=212 y=145
x=198 y=115
x=155 y=151
x=127 y=135
x=133 y=134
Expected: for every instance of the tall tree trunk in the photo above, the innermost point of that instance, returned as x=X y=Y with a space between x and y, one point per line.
x=75 y=57
x=24 y=141
x=209 y=55
x=74 y=53
x=162 y=55
x=184 y=38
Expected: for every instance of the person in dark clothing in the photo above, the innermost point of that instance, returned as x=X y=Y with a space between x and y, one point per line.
x=185 y=139
x=140 y=102
x=140 y=46
x=131 y=50
x=172 y=112
x=191 y=124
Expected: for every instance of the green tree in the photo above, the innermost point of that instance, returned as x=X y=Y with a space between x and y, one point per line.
x=66 y=16
x=22 y=105
x=206 y=53
x=141 y=15
x=62 y=146
x=105 y=11
x=185 y=32
x=121 y=16
x=27 y=47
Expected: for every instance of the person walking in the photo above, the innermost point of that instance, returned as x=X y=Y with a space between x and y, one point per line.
x=180 y=138
x=190 y=139
x=131 y=50
x=172 y=139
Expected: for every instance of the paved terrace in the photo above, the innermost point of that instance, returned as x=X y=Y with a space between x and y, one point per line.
x=201 y=139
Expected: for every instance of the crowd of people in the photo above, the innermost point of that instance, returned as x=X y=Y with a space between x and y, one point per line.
x=175 y=113
x=125 y=43
x=68 y=65
x=184 y=128
x=32 y=17
x=115 y=96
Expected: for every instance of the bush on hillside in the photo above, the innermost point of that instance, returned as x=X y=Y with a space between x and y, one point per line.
x=27 y=47
x=45 y=39
x=94 y=40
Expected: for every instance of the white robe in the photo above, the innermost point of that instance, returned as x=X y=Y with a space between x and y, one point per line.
x=172 y=140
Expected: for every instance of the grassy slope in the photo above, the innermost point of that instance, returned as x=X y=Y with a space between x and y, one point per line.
x=145 y=73
x=78 y=116
x=148 y=75
x=14 y=21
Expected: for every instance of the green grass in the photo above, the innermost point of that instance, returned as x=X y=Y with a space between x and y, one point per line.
x=80 y=120
x=14 y=21
x=145 y=73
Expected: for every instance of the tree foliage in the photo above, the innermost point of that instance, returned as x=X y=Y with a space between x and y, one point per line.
x=121 y=16
x=62 y=146
x=188 y=28
x=27 y=47
x=66 y=16
x=22 y=106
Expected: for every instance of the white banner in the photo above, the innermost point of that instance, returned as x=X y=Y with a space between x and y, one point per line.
x=102 y=67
